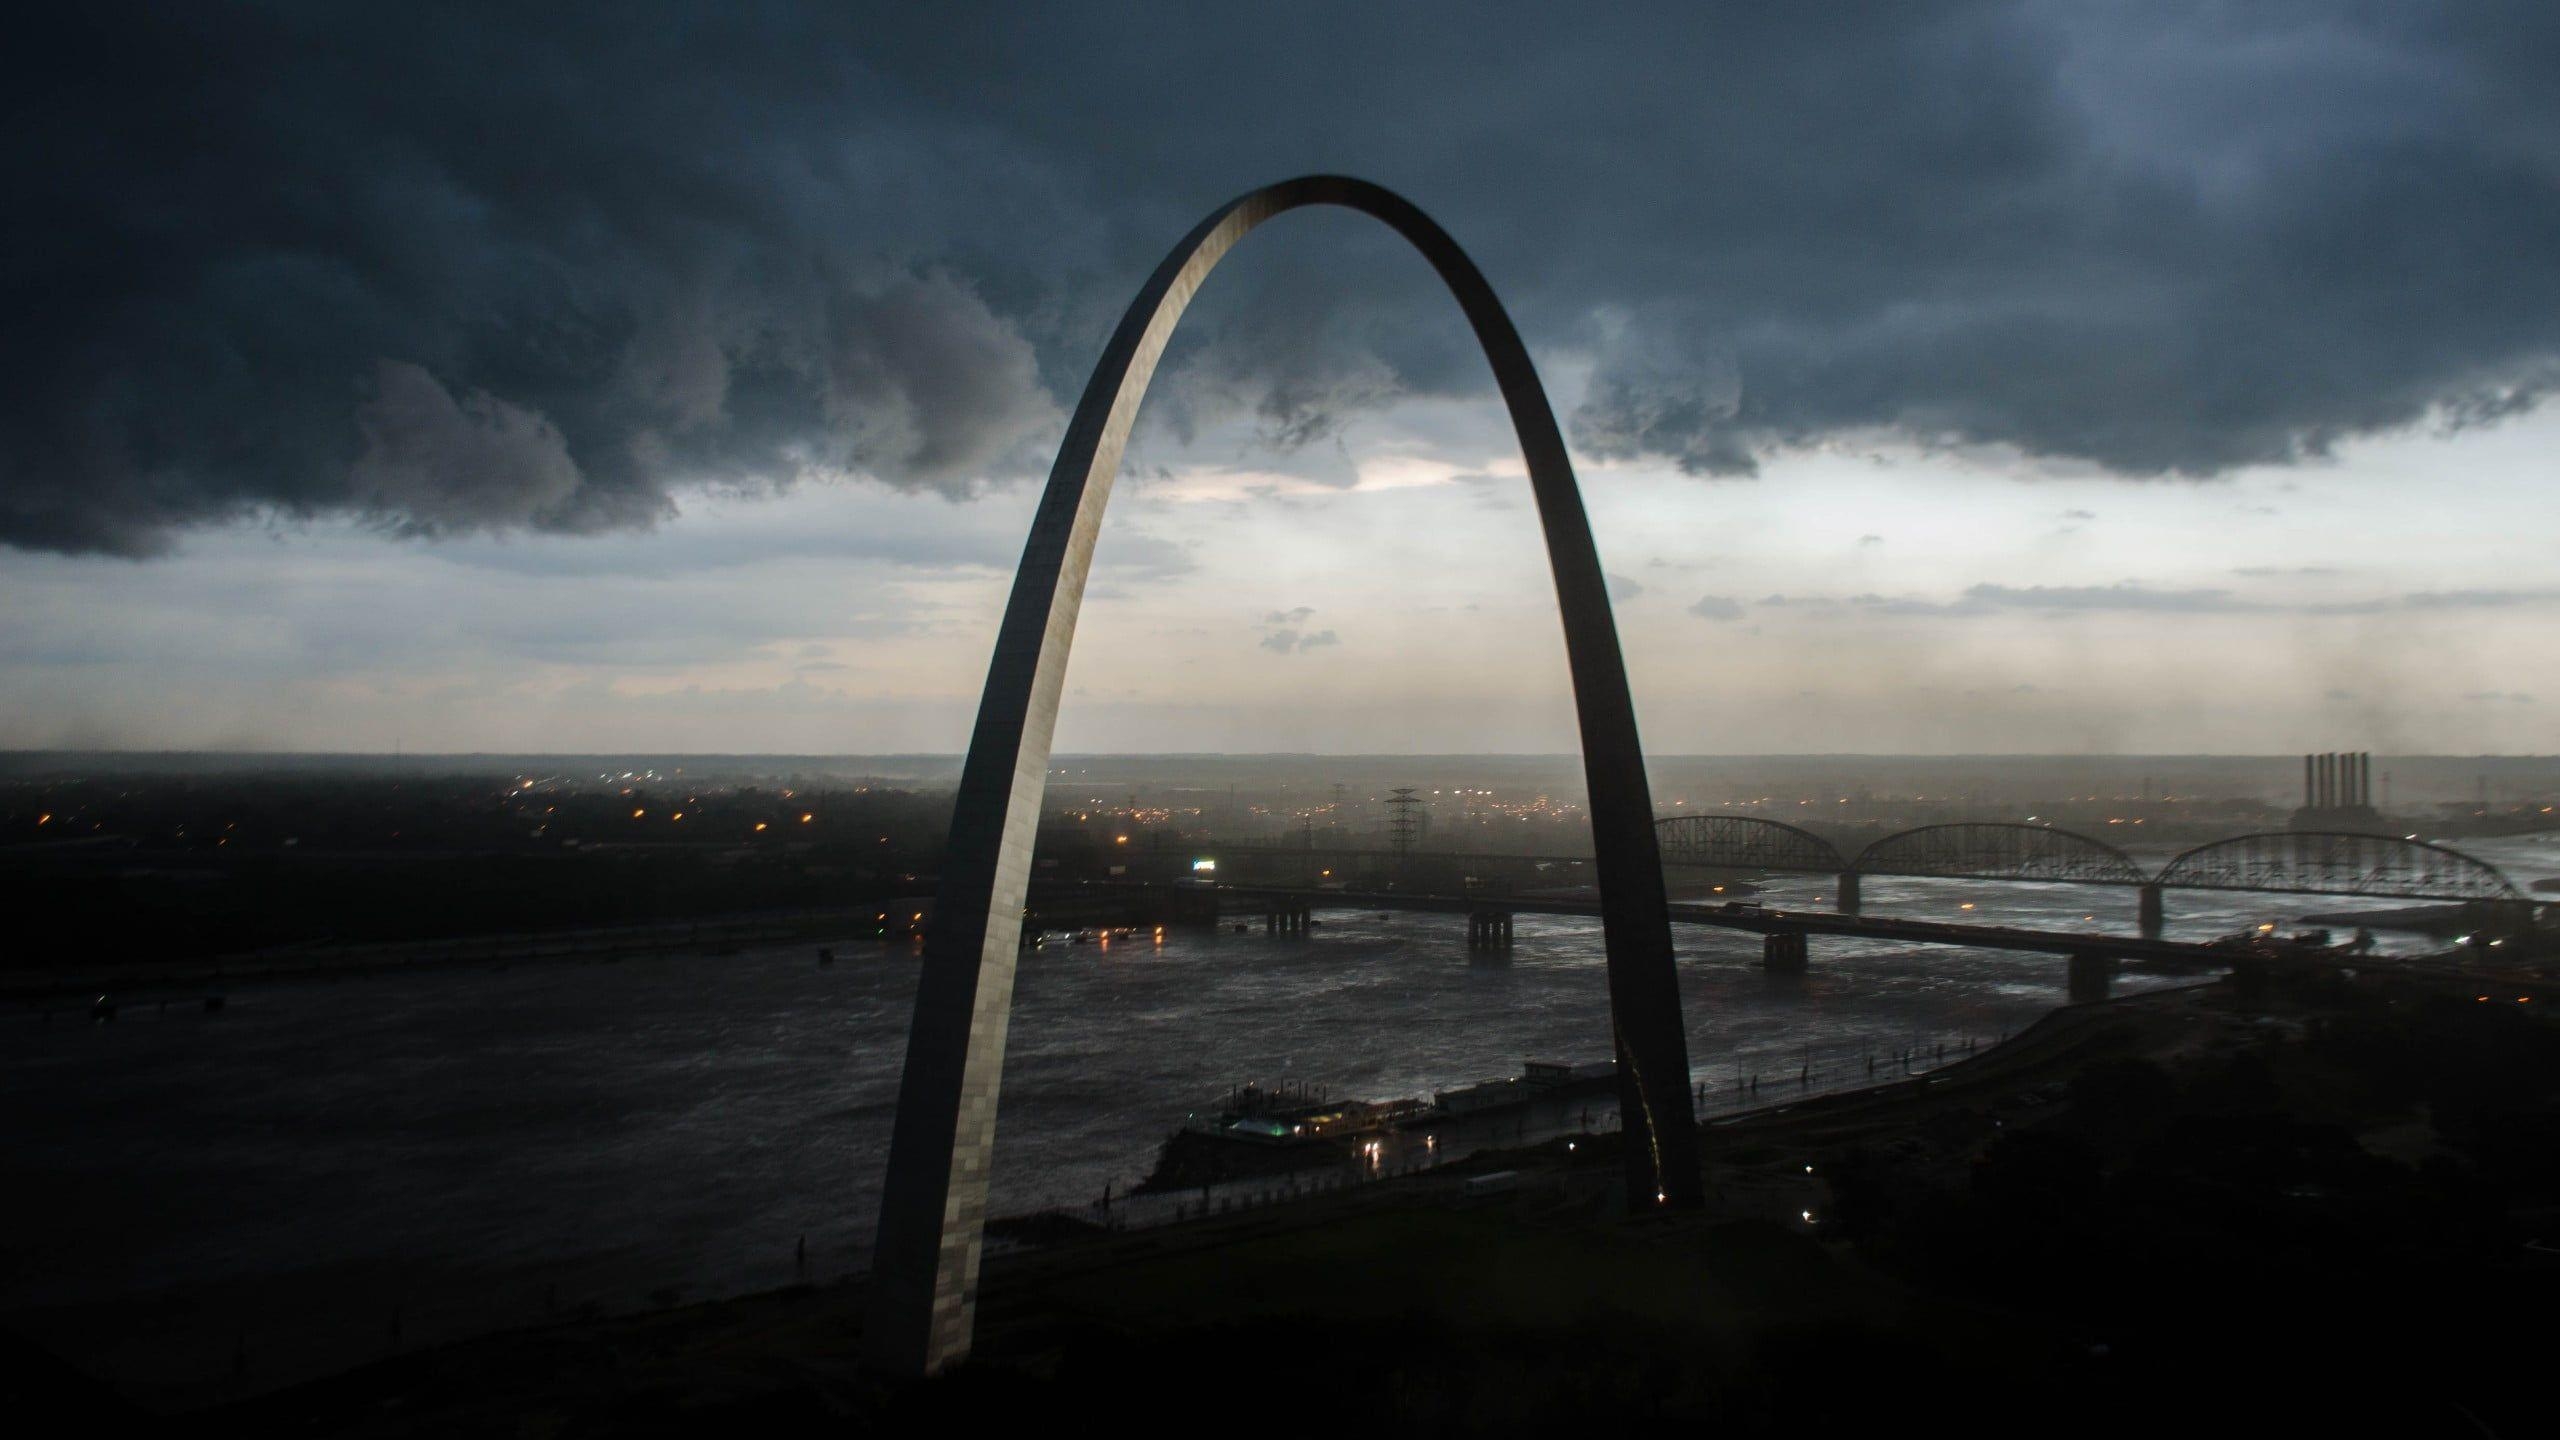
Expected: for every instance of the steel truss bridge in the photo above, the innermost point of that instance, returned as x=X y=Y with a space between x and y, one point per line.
x=2303 y=862
x=1288 y=909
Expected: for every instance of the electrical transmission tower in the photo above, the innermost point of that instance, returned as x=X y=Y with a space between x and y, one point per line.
x=1402 y=822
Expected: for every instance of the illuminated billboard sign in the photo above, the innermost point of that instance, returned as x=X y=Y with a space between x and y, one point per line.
x=1204 y=867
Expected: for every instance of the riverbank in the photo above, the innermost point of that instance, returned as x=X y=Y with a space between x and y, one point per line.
x=2306 y=1204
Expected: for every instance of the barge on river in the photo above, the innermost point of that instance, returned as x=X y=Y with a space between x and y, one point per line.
x=1292 y=1128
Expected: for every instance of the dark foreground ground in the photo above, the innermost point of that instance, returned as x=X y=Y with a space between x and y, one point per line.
x=2275 y=1208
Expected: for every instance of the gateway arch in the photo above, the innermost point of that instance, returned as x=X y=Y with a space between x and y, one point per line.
x=924 y=1273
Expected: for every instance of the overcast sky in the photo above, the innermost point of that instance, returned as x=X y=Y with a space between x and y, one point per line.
x=1942 y=377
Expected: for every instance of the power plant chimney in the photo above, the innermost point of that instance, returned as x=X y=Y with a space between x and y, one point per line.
x=2337 y=780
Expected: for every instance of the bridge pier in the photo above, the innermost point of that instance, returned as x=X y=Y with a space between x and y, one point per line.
x=1848 y=892
x=1488 y=929
x=2092 y=977
x=1783 y=952
x=2154 y=913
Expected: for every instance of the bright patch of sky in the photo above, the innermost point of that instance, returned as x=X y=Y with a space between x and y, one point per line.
x=1850 y=598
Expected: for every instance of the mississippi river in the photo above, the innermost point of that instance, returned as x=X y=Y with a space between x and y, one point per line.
x=328 y=1168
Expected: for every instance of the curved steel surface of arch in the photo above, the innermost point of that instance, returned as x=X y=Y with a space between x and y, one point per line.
x=925 y=1262
x=2338 y=862
x=1745 y=842
x=1992 y=850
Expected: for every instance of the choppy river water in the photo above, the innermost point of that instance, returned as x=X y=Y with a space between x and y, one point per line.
x=330 y=1167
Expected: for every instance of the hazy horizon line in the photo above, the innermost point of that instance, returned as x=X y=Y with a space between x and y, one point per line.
x=958 y=756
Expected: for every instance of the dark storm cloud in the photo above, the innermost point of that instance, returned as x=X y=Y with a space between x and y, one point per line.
x=454 y=269
x=455 y=272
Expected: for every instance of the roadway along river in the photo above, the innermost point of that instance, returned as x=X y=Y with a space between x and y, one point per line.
x=284 y=1187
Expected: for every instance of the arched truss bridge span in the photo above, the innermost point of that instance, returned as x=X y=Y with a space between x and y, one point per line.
x=1746 y=842
x=2327 y=862
x=2304 y=862
x=1976 y=850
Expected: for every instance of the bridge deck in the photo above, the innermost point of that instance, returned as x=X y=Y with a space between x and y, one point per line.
x=1255 y=899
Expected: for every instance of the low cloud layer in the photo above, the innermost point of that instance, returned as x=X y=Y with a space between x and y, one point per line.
x=1285 y=632
x=1292 y=642
x=449 y=270
x=2129 y=597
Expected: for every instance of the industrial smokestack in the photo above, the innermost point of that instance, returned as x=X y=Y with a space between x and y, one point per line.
x=2310 y=782
x=2364 y=772
x=2328 y=779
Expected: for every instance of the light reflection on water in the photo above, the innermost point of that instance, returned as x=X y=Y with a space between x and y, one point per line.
x=475 y=1146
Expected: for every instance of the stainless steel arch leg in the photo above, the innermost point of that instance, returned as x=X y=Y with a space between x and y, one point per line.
x=925 y=1264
